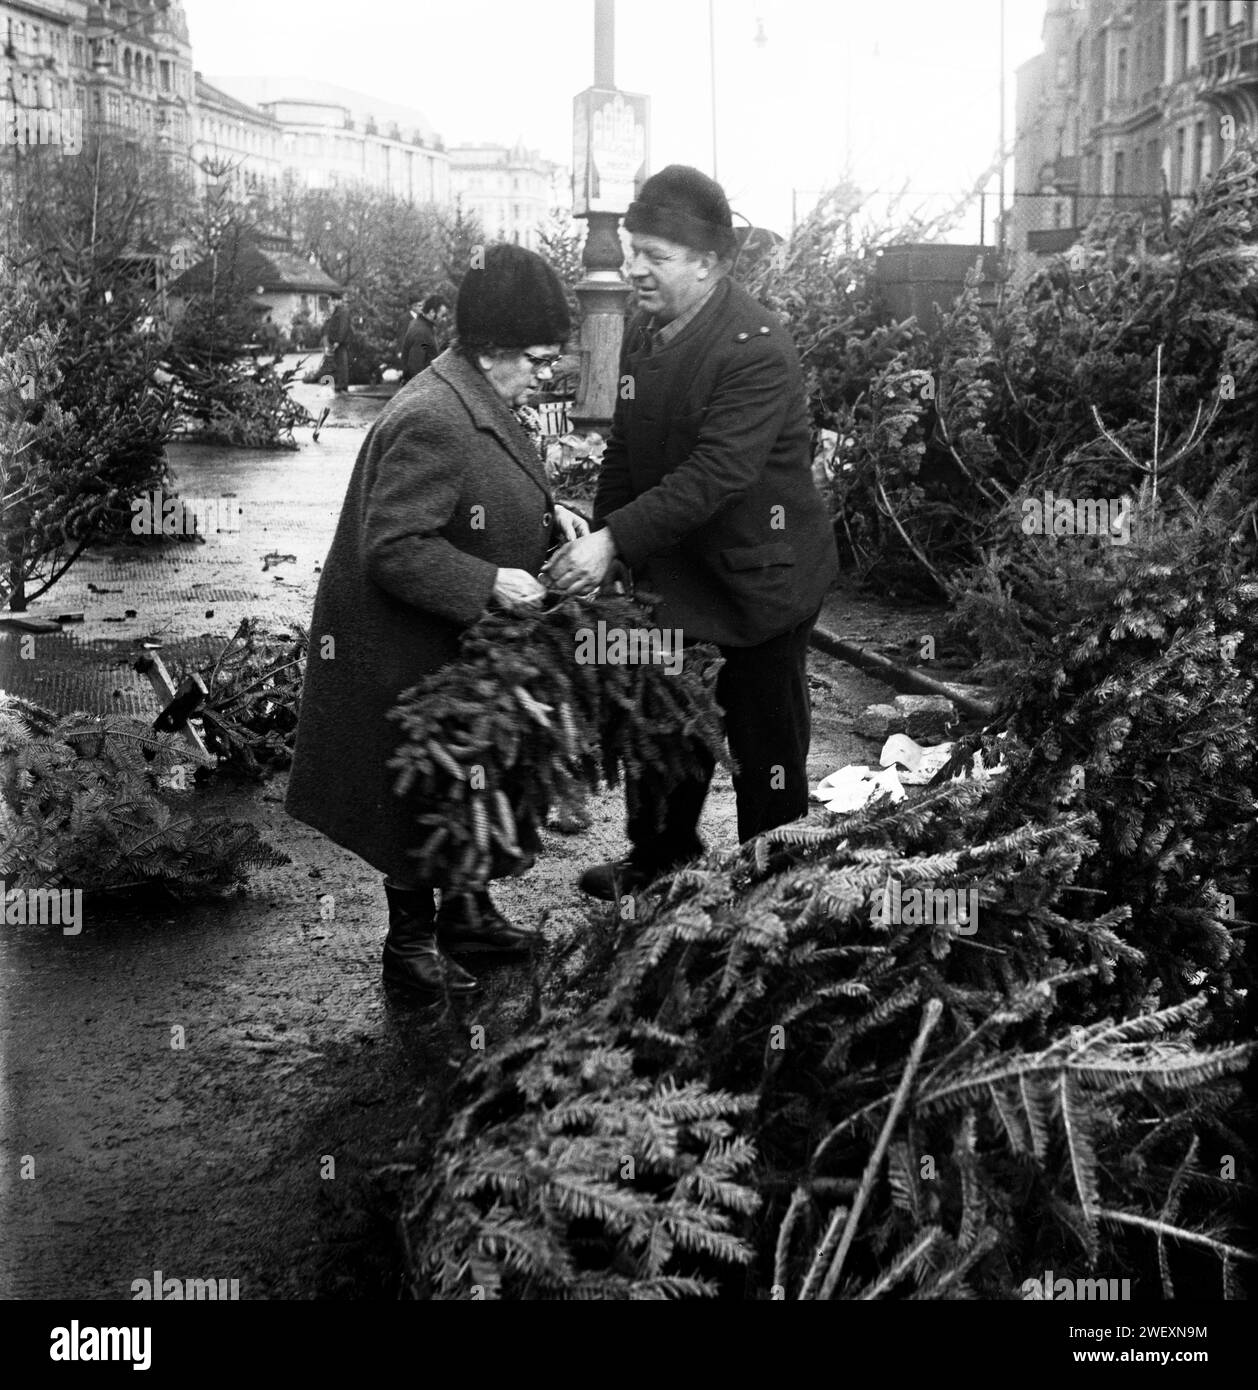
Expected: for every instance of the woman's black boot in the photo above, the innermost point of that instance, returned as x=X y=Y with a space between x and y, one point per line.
x=411 y=958
x=471 y=922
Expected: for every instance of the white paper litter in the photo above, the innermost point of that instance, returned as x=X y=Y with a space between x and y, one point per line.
x=851 y=787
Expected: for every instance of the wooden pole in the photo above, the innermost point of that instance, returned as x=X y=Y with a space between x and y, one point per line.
x=902 y=677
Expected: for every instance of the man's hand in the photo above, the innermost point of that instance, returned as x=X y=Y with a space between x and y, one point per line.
x=581 y=566
x=516 y=589
x=571 y=526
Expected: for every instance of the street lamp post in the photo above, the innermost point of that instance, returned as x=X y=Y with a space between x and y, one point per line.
x=712 y=76
x=1000 y=225
x=602 y=292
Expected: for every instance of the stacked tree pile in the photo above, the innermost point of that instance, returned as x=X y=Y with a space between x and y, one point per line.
x=926 y=1051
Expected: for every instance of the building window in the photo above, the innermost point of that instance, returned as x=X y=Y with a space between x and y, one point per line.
x=1181 y=45
x=1119 y=171
x=164 y=68
x=1199 y=154
x=1181 y=169
x=1121 y=90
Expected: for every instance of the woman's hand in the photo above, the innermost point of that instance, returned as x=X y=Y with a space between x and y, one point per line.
x=580 y=566
x=571 y=524
x=518 y=589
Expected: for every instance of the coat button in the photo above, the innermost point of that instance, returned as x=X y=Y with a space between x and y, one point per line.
x=548 y=519
x=742 y=337
x=764 y=328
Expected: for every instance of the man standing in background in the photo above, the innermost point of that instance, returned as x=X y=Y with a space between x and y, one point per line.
x=413 y=302
x=419 y=346
x=338 y=334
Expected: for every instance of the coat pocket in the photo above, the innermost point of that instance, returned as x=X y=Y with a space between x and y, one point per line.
x=758 y=557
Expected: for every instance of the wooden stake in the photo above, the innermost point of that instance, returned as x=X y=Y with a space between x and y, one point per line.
x=154 y=668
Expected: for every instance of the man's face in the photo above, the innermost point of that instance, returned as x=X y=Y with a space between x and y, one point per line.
x=416 y=306
x=668 y=277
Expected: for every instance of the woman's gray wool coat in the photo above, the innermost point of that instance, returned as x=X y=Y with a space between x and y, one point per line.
x=447 y=489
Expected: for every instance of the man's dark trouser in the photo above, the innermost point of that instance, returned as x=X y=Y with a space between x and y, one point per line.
x=340 y=366
x=763 y=692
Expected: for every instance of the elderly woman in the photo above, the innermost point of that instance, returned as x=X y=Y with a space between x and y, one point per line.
x=447 y=512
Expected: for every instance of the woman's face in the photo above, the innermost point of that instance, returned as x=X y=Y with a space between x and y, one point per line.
x=516 y=375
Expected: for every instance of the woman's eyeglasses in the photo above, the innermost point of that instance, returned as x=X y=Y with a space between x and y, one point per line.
x=543 y=363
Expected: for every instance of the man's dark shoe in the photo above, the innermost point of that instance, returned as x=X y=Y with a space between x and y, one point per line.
x=471 y=922
x=612 y=880
x=411 y=959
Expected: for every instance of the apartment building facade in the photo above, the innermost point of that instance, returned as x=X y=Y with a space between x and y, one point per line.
x=1131 y=104
x=511 y=190
x=331 y=135
x=126 y=66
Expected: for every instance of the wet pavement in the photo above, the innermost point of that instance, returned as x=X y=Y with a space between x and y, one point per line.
x=208 y=1091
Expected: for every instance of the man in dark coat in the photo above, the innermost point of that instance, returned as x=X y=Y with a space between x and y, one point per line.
x=338 y=334
x=447 y=508
x=413 y=305
x=706 y=493
x=419 y=346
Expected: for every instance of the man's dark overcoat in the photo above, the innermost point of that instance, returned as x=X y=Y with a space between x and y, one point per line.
x=419 y=347
x=447 y=489
x=707 y=482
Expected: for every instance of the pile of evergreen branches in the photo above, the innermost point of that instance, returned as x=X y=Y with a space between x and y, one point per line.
x=943 y=435
x=905 y=1110
x=933 y=1103
x=1139 y=710
x=103 y=803
x=253 y=698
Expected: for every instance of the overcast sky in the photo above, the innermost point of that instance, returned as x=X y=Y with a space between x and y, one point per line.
x=923 y=74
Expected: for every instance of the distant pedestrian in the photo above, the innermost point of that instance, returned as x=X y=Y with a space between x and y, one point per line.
x=419 y=347
x=414 y=306
x=269 y=336
x=338 y=335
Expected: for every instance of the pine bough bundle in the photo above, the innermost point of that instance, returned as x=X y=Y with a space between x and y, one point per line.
x=103 y=803
x=517 y=726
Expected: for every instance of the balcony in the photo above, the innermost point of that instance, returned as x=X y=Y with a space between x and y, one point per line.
x=1233 y=65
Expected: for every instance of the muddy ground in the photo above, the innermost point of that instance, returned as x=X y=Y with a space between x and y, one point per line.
x=248 y=1151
